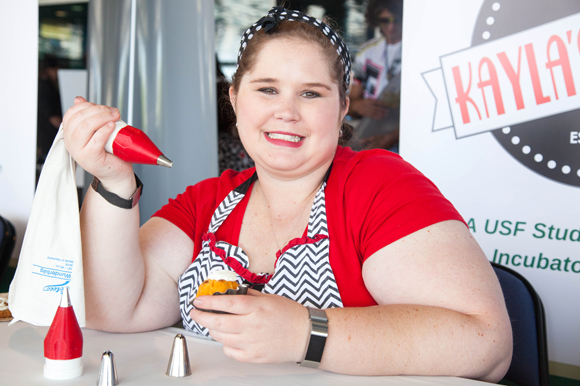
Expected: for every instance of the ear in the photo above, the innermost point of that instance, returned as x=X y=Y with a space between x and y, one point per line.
x=345 y=109
x=233 y=95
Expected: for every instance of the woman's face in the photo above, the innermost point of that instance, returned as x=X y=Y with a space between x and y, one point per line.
x=288 y=109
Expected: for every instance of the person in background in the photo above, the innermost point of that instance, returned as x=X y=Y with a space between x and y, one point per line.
x=49 y=115
x=375 y=91
x=335 y=10
x=387 y=264
x=231 y=152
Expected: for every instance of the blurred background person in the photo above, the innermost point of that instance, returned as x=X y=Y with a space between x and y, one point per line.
x=375 y=90
x=49 y=115
x=336 y=10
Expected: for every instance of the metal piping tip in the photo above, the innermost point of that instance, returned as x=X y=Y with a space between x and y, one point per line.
x=108 y=371
x=65 y=298
x=178 y=365
x=164 y=161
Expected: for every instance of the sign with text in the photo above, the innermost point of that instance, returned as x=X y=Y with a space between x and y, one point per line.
x=519 y=78
x=490 y=112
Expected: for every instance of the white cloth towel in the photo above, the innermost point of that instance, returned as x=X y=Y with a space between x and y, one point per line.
x=51 y=255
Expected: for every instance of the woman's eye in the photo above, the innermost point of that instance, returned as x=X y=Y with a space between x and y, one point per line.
x=267 y=90
x=310 y=94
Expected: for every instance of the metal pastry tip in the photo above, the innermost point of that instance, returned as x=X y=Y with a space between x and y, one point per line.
x=108 y=372
x=65 y=298
x=164 y=161
x=178 y=365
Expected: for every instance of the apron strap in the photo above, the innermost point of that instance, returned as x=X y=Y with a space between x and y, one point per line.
x=244 y=186
x=233 y=263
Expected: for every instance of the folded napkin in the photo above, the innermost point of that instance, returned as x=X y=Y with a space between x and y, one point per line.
x=51 y=255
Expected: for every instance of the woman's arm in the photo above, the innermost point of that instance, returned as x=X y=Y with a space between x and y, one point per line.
x=441 y=312
x=130 y=274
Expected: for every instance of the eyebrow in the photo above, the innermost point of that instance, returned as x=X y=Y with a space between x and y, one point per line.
x=310 y=84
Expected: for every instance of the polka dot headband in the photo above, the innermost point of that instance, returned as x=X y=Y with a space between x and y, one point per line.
x=278 y=14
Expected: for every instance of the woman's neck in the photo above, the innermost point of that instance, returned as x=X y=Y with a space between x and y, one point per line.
x=284 y=194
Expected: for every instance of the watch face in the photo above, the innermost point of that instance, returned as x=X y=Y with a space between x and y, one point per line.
x=549 y=146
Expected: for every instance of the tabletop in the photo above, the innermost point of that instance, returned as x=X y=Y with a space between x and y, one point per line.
x=142 y=358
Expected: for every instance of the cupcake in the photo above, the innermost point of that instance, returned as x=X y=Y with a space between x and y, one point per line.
x=218 y=282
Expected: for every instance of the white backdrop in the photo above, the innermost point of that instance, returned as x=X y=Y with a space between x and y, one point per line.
x=485 y=180
x=18 y=100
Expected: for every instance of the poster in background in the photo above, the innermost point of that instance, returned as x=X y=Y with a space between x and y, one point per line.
x=490 y=112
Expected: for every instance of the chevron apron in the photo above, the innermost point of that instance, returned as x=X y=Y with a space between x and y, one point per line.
x=302 y=270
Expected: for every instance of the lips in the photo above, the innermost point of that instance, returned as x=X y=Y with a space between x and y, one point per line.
x=284 y=139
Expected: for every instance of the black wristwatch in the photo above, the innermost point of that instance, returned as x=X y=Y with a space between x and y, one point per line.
x=317 y=341
x=112 y=198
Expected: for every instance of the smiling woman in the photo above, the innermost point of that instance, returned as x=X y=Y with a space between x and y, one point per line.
x=288 y=108
x=349 y=272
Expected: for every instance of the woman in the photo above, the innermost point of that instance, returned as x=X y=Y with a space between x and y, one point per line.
x=405 y=287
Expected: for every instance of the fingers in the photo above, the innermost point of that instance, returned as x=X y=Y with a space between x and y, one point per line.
x=234 y=304
x=244 y=356
x=88 y=119
x=219 y=323
x=100 y=137
x=235 y=353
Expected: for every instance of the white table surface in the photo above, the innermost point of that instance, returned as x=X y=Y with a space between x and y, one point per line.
x=142 y=358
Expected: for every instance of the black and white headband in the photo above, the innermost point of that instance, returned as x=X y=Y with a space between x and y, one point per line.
x=278 y=14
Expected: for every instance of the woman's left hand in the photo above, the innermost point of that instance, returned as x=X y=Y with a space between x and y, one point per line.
x=263 y=328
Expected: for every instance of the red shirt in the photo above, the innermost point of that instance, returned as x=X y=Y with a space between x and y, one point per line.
x=373 y=198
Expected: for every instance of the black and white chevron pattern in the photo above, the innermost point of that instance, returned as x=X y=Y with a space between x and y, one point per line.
x=208 y=261
x=303 y=272
x=317 y=223
x=224 y=209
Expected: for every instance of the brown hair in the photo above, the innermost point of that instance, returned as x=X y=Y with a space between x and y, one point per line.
x=298 y=30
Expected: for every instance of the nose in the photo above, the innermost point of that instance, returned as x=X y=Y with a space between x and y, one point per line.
x=287 y=108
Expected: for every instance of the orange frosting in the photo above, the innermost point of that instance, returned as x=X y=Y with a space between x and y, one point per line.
x=209 y=287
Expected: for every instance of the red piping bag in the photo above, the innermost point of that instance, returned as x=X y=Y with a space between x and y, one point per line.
x=133 y=145
x=63 y=345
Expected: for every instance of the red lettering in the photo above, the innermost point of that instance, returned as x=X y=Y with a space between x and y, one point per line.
x=494 y=83
x=540 y=98
x=463 y=96
x=564 y=62
x=513 y=76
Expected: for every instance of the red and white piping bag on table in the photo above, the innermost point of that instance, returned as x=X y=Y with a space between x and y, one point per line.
x=51 y=254
x=63 y=344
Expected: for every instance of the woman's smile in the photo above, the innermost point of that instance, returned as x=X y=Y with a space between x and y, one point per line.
x=284 y=139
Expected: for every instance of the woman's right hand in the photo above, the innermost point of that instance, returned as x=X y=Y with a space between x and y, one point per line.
x=87 y=127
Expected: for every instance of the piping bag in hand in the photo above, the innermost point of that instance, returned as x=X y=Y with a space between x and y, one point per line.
x=51 y=254
x=134 y=146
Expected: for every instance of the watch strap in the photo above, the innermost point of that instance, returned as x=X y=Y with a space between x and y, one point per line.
x=317 y=340
x=114 y=199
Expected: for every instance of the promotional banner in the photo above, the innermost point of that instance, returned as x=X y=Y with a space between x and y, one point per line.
x=490 y=112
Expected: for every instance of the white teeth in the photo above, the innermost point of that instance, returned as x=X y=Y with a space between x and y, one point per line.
x=284 y=137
